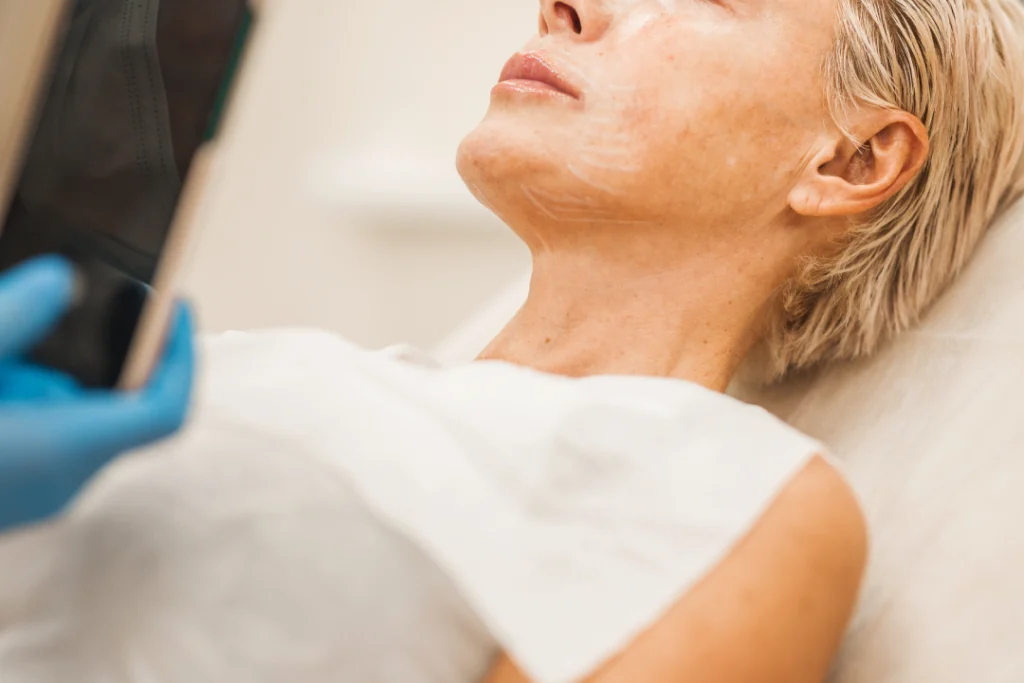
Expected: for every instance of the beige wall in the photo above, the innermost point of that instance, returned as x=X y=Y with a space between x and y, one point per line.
x=334 y=202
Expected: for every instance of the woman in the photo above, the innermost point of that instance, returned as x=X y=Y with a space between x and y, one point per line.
x=699 y=183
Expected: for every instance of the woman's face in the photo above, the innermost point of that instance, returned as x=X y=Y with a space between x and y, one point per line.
x=668 y=112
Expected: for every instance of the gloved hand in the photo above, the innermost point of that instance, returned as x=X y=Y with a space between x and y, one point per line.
x=54 y=435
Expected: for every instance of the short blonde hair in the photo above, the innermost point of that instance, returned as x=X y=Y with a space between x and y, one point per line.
x=958 y=65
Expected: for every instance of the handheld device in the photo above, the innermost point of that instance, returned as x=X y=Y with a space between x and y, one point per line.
x=106 y=107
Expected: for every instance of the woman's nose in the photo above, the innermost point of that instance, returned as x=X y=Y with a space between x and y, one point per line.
x=585 y=20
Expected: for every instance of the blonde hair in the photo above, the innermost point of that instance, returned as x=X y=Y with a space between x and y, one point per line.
x=958 y=65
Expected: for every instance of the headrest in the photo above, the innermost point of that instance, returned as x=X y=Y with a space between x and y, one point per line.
x=931 y=431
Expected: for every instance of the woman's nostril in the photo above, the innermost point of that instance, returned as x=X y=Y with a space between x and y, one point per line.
x=569 y=15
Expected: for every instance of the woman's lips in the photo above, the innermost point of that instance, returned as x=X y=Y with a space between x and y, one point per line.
x=531 y=72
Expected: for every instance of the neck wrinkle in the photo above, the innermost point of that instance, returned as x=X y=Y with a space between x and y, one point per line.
x=641 y=310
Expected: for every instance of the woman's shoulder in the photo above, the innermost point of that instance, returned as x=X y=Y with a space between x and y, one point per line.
x=725 y=450
x=774 y=608
x=812 y=494
x=818 y=515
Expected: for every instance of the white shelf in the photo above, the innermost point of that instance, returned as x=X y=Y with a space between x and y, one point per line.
x=381 y=191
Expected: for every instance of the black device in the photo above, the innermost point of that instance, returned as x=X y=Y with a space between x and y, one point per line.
x=131 y=91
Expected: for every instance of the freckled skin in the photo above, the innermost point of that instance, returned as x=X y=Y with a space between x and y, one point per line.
x=692 y=114
x=699 y=163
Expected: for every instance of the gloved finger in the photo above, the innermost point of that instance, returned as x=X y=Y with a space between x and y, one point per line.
x=33 y=296
x=71 y=441
x=107 y=424
x=23 y=382
x=170 y=387
x=100 y=425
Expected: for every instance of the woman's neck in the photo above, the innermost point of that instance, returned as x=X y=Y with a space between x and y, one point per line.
x=593 y=314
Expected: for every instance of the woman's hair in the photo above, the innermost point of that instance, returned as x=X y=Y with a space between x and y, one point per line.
x=958 y=65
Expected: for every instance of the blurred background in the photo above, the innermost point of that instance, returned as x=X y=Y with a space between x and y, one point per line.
x=334 y=200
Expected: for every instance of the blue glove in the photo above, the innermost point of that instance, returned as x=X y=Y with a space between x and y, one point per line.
x=54 y=434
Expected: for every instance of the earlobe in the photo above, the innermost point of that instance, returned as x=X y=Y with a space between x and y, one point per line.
x=847 y=179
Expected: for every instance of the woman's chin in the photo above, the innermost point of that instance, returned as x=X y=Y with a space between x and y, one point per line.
x=498 y=156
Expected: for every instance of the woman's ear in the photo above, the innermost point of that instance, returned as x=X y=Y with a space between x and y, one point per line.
x=844 y=179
